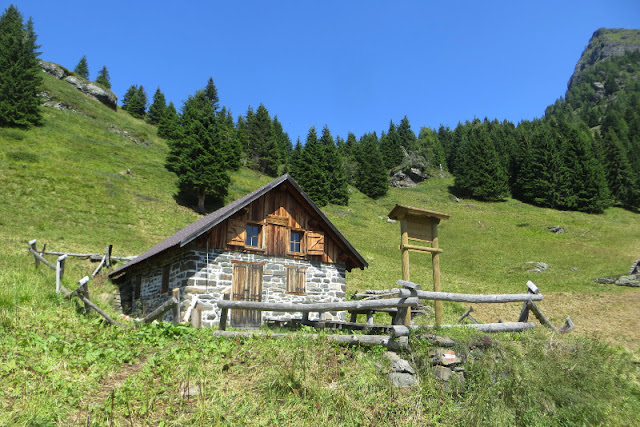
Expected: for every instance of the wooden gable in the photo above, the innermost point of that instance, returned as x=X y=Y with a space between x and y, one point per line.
x=278 y=213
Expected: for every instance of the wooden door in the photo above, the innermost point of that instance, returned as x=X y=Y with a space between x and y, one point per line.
x=247 y=286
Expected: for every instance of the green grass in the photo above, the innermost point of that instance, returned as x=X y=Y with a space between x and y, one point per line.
x=65 y=184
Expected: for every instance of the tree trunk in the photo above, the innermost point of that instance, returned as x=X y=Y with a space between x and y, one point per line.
x=201 y=196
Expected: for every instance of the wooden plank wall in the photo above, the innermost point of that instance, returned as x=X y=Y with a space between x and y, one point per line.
x=278 y=211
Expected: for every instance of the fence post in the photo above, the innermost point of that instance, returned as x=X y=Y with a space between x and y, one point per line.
x=108 y=255
x=196 y=316
x=176 y=307
x=224 y=313
x=85 y=291
x=36 y=261
x=59 y=271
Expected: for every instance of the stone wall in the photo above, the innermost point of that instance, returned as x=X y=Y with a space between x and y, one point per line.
x=208 y=275
x=213 y=273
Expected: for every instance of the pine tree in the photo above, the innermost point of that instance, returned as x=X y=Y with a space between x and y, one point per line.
x=481 y=174
x=262 y=150
x=431 y=148
x=211 y=93
x=620 y=177
x=371 y=175
x=103 y=78
x=195 y=156
x=309 y=172
x=82 y=69
x=226 y=136
x=407 y=138
x=157 y=107
x=331 y=162
x=391 y=147
x=20 y=74
x=169 y=126
x=129 y=95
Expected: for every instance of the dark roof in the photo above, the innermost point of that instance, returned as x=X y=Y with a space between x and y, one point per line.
x=204 y=224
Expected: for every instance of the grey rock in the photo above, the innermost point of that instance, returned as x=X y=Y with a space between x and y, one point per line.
x=402 y=365
x=444 y=357
x=442 y=373
x=401 y=180
x=598 y=86
x=94 y=91
x=539 y=267
x=401 y=379
x=55 y=70
x=437 y=340
x=556 y=229
x=632 y=280
x=606 y=280
x=391 y=356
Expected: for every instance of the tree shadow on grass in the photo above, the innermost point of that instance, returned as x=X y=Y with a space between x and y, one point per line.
x=189 y=199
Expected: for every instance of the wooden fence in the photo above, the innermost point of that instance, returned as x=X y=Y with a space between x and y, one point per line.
x=82 y=290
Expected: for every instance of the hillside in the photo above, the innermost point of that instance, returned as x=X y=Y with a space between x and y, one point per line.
x=79 y=182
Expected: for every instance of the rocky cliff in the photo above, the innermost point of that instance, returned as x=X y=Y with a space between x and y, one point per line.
x=605 y=43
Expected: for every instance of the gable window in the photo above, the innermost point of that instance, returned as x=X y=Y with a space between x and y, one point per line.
x=296 y=280
x=253 y=236
x=295 y=241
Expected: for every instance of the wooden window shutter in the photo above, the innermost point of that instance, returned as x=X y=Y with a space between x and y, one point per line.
x=235 y=232
x=315 y=243
x=296 y=280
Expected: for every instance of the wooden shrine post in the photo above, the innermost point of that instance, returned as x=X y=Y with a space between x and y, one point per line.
x=420 y=225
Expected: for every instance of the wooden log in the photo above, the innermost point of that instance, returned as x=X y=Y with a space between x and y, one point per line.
x=224 y=313
x=400 y=343
x=540 y=316
x=417 y=248
x=399 y=331
x=40 y=259
x=59 y=272
x=163 y=308
x=494 y=327
x=102 y=263
x=32 y=243
x=328 y=306
x=466 y=313
x=108 y=255
x=472 y=298
x=77 y=291
x=89 y=302
x=567 y=327
x=98 y=257
x=524 y=312
x=176 y=308
x=435 y=262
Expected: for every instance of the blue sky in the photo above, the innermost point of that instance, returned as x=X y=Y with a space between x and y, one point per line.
x=351 y=65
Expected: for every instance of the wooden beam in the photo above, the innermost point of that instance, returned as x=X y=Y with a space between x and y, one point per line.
x=471 y=298
x=59 y=271
x=90 y=303
x=400 y=343
x=417 y=248
x=494 y=327
x=159 y=311
x=540 y=316
x=176 y=308
x=224 y=313
x=325 y=306
x=39 y=258
x=435 y=262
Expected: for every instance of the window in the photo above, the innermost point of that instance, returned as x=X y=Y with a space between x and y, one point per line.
x=295 y=241
x=296 y=279
x=253 y=236
x=166 y=270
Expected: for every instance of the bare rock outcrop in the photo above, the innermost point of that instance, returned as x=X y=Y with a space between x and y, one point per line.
x=94 y=91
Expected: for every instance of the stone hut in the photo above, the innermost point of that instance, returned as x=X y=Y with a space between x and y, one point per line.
x=272 y=245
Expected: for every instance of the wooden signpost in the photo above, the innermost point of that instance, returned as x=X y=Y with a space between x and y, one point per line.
x=420 y=225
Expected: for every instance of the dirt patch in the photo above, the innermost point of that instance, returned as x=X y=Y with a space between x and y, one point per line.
x=610 y=316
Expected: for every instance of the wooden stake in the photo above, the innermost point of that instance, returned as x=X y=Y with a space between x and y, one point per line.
x=59 y=272
x=435 y=261
x=224 y=313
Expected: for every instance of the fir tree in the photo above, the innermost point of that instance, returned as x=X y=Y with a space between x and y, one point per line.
x=262 y=148
x=481 y=174
x=620 y=177
x=195 y=156
x=20 y=74
x=169 y=126
x=211 y=93
x=82 y=69
x=431 y=148
x=371 y=175
x=407 y=138
x=128 y=96
x=157 y=107
x=103 y=78
x=309 y=172
x=226 y=135
x=331 y=162
x=391 y=147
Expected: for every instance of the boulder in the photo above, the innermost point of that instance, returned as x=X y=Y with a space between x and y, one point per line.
x=94 y=91
x=400 y=379
x=632 y=280
x=55 y=70
x=401 y=180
